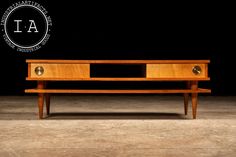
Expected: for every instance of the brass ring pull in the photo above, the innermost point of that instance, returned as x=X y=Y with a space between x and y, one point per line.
x=39 y=70
x=197 y=70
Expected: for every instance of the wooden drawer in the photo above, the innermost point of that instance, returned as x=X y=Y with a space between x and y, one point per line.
x=59 y=71
x=176 y=71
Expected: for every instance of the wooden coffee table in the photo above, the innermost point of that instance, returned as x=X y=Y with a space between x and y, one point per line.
x=189 y=71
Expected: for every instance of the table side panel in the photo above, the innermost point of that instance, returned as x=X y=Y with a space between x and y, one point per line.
x=65 y=71
x=175 y=71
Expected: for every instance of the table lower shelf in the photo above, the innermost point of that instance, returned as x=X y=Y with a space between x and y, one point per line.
x=110 y=91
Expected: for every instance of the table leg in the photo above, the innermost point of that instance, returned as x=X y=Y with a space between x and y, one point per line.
x=47 y=96
x=40 y=105
x=186 y=98
x=194 y=86
x=40 y=99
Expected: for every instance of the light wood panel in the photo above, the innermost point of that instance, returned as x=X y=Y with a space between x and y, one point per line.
x=174 y=71
x=57 y=71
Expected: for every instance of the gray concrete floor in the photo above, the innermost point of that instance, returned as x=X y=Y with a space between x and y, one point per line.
x=116 y=125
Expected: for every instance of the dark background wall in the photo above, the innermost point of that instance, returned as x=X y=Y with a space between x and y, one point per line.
x=130 y=31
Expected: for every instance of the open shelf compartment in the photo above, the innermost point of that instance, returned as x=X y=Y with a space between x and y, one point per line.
x=118 y=70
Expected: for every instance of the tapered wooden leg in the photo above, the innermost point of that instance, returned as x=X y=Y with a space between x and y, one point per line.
x=194 y=104
x=47 y=96
x=40 y=99
x=186 y=97
x=40 y=105
x=194 y=86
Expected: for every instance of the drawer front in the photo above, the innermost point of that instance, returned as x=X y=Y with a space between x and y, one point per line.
x=177 y=71
x=59 y=71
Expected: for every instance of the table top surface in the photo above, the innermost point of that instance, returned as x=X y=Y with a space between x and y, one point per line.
x=120 y=61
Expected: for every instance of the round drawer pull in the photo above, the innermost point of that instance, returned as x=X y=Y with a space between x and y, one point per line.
x=197 y=70
x=39 y=70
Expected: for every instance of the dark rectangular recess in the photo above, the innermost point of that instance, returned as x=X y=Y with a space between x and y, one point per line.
x=118 y=70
